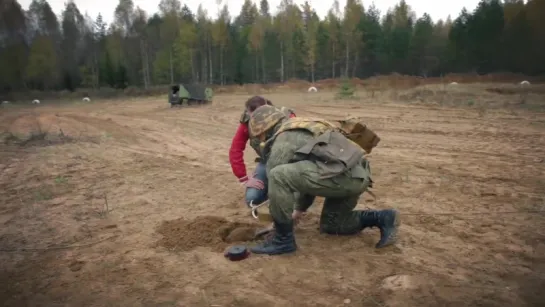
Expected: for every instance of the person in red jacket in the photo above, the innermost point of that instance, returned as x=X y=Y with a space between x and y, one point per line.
x=256 y=185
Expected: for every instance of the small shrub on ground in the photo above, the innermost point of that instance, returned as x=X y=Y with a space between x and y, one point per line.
x=346 y=89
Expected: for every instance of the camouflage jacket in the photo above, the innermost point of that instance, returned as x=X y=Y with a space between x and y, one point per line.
x=255 y=142
x=328 y=147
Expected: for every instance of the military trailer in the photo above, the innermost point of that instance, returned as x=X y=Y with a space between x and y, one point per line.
x=189 y=94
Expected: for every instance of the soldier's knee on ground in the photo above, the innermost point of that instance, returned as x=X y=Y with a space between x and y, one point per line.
x=328 y=228
x=335 y=228
x=328 y=223
x=340 y=223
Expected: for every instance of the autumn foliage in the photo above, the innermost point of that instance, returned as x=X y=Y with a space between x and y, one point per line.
x=139 y=54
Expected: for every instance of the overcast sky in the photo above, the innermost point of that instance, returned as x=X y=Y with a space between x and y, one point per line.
x=107 y=7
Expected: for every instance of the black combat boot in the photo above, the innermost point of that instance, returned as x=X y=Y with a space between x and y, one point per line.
x=386 y=220
x=282 y=242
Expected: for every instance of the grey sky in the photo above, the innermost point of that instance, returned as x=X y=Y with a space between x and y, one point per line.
x=436 y=9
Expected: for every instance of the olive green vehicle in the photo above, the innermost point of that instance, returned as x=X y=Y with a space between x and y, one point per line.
x=189 y=94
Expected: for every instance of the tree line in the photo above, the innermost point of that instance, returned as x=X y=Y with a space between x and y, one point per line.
x=42 y=51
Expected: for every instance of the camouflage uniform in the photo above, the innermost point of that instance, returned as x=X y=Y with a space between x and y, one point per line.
x=253 y=195
x=254 y=141
x=308 y=158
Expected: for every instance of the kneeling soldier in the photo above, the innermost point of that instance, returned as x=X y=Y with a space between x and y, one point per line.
x=306 y=158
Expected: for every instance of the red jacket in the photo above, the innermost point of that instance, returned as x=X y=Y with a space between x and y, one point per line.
x=236 y=152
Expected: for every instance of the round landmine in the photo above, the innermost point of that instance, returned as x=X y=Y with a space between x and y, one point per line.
x=237 y=253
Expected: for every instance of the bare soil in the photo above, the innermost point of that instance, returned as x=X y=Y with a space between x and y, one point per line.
x=131 y=203
x=208 y=231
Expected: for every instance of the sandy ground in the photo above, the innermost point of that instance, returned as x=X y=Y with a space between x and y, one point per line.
x=101 y=211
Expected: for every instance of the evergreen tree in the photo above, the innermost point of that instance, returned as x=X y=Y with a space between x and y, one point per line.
x=40 y=51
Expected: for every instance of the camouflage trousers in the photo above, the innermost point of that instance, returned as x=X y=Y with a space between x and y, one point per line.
x=297 y=184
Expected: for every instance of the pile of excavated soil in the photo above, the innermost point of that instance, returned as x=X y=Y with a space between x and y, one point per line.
x=205 y=231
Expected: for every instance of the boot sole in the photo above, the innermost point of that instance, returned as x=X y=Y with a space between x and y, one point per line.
x=393 y=236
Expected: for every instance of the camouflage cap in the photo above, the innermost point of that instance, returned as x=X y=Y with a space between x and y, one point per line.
x=264 y=118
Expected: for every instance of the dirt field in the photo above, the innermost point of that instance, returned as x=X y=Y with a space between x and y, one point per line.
x=121 y=203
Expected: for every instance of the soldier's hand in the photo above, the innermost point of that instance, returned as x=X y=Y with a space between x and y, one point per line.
x=296 y=216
